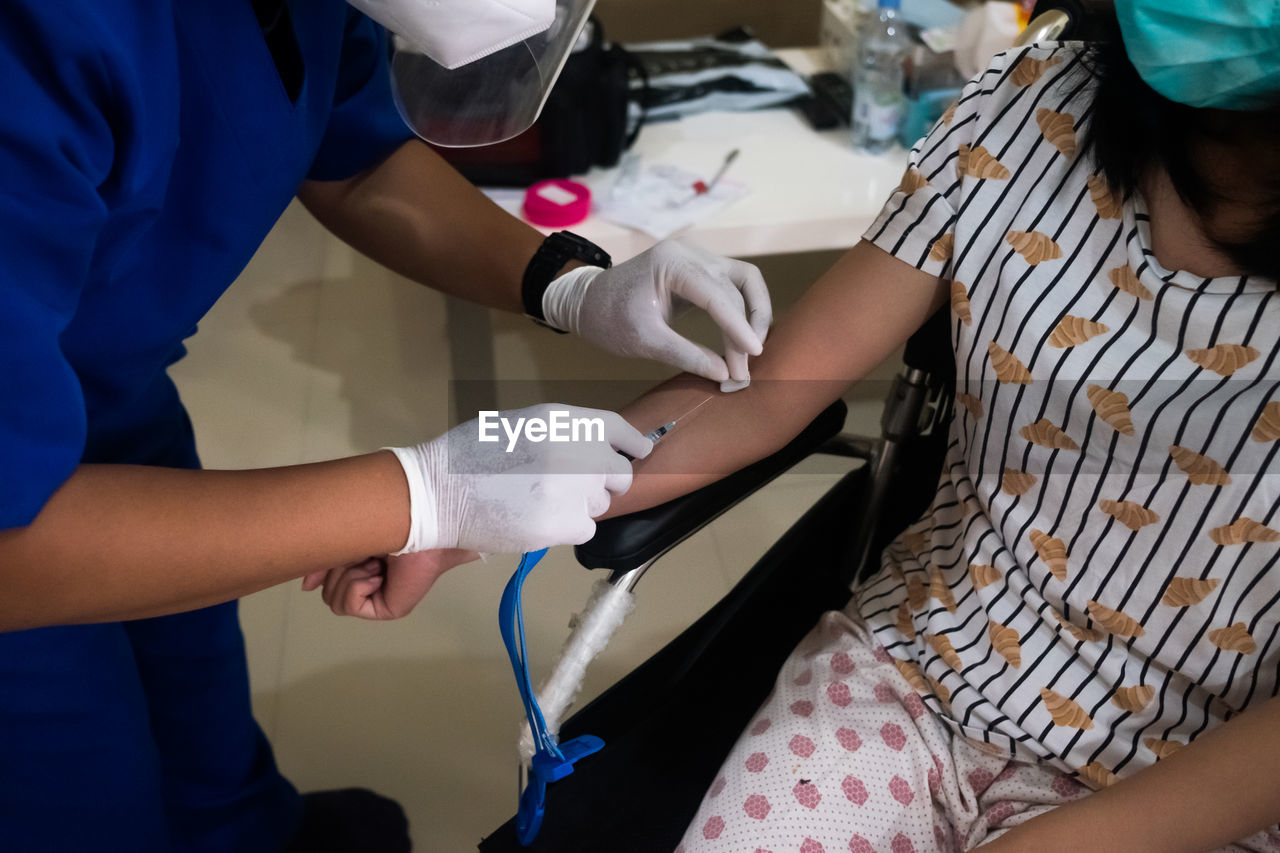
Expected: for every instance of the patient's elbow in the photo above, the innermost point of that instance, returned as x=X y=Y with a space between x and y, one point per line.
x=782 y=409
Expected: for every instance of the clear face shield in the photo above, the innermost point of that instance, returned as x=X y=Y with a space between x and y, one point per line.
x=476 y=72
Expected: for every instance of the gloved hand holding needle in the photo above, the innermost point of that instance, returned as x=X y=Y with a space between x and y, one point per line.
x=518 y=493
x=483 y=488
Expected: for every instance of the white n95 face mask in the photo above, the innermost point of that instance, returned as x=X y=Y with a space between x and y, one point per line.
x=476 y=72
x=457 y=32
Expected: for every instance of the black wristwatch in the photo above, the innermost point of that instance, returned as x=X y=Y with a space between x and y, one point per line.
x=545 y=265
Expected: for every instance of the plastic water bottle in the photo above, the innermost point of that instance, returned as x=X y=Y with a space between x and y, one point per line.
x=879 y=104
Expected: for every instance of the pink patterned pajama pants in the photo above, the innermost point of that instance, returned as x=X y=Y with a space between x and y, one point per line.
x=844 y=756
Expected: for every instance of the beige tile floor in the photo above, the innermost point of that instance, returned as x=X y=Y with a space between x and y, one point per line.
x=315 y=353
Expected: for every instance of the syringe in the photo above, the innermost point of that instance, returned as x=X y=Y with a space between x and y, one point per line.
x=656 y=434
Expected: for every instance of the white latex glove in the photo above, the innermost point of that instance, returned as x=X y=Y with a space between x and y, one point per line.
x=628 y=309
x=465 y=493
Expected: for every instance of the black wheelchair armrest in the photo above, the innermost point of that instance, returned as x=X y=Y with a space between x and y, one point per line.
x=628 y=542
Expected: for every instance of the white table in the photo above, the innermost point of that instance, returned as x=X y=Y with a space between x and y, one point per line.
x=809 y=191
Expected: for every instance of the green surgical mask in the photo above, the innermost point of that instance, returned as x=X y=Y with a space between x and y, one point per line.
x=1205 y=53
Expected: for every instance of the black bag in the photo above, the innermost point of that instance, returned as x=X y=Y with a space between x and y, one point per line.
x=584 y=123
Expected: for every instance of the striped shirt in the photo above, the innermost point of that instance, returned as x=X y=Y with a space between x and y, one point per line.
x=1095 y=583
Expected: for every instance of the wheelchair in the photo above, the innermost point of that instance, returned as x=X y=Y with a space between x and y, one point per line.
x=669 y=723
x=665 y=724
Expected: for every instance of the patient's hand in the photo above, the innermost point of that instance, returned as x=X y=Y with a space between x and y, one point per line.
x=384 y=587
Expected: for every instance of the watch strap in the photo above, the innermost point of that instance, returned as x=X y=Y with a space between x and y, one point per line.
x=545 y=265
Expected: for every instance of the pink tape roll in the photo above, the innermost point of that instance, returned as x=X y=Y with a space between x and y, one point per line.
x=557 y=203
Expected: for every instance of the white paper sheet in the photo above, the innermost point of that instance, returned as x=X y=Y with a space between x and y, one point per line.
x=660 y=200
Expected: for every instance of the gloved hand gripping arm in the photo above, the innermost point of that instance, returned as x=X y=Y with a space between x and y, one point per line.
x=628 y=309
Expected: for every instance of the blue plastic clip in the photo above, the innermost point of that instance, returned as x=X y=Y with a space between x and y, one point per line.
x=551 y=760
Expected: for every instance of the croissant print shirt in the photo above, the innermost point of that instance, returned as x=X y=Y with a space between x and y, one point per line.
x=1096 y=582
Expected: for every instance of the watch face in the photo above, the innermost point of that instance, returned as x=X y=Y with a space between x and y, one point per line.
x=582 y=249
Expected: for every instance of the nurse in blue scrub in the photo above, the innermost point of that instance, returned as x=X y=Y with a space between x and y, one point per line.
x=145 y=151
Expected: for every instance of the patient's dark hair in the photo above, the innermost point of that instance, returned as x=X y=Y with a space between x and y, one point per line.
x=1135 y=129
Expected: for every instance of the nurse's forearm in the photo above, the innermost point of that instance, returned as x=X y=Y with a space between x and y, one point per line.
x=124 y=542
x=414 y=214
x=1221 y=788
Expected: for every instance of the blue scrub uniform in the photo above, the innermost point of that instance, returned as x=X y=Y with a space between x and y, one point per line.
x=146 y=148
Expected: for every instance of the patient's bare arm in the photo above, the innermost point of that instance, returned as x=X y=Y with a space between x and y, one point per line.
x=1222 y=787
x=853 y=317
